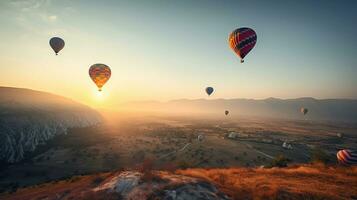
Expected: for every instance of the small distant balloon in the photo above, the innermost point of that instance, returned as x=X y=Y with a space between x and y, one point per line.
x=56 y=44
x=242 y=41
x=209 y=90
x=304 y=111
x=200 y=138
x=100 y=74
x=226 y=112
x=347 y=157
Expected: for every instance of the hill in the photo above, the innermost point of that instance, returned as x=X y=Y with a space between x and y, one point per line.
x=29 y=118
x=295 y=182
x=340 y=110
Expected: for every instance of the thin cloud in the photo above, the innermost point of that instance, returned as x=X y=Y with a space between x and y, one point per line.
x=52 y=17
x=34 y=16
x=30 y=5
x=33 y=8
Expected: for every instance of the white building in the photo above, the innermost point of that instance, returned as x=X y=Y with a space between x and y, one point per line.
x=287 y=145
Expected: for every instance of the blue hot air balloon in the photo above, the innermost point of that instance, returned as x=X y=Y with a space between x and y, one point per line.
x=209 y=90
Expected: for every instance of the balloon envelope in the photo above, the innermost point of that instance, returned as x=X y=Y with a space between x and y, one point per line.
x=226 y=112
x=304 y=111
x=209 y=90
x=56 y=44
x=347 y=157
x=242 y=41
x=100 y=74
x=200 y=138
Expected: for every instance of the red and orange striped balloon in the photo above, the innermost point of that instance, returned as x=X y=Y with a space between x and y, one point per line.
x=242 y=41
x=100 y=74
x=347 y=157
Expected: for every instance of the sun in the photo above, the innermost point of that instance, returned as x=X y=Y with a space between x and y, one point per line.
x=99 y=96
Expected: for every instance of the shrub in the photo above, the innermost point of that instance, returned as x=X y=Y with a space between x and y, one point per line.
x=280 y=161
x=183 y=164
x=147 y=166
x=147 y=170
x=319 y=156
x=170 y=167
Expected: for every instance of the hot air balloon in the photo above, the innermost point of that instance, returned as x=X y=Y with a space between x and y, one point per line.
x=56 y=44
x=200 y=138
x=209 y=90
x=226 y=112
x=242 y=41
x=100 y=74
x=304 y=111
x=347 y=157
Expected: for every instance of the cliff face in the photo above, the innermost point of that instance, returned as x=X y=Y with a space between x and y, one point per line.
x=29 y=118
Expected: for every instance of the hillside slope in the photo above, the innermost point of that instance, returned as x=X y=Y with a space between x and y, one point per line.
x=29 y=118
x=296 y=182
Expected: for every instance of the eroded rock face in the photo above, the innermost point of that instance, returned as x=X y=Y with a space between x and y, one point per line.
x=29 y=118
x=123 y=183
x=132 y=185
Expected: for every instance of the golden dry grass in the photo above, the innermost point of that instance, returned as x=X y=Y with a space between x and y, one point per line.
x=297 y=182
x=78 y=187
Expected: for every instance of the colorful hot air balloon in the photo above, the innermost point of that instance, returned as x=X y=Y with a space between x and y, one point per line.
x=242 y=41
x=226 y=112
x=100 y=74
x=209 y=90
x=56 y=44
x=347 y=157
x=304 y=111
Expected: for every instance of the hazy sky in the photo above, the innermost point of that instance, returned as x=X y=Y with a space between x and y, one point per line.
x=161 y=50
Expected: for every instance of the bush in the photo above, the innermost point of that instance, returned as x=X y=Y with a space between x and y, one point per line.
x=183 y=165
x=148 y=175
x=319 y=156
x=169 y=167
x=280 y=161
x=147 y=166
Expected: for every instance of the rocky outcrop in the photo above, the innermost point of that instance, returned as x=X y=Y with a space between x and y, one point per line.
x=160 y=185
x=30 y=118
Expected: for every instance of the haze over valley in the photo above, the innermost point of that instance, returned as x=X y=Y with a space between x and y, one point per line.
x=65 y=138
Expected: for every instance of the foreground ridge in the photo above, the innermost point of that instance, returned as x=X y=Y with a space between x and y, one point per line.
x=295 y=182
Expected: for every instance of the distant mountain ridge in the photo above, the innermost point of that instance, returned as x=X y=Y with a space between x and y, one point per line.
x=29 y=118
x=342 y=110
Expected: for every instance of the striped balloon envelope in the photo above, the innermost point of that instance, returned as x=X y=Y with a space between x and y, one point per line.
x=347 y=157
x=242 y=41
x=100 y=74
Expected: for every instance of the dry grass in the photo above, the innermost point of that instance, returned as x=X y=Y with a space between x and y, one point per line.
x=78 y=187
x=297 y=182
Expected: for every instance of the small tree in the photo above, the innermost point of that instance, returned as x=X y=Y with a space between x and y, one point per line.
x=319 y=156
x=280 y=161
x=183 y=164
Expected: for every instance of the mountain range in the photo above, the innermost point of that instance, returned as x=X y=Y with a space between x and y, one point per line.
x=338 y=110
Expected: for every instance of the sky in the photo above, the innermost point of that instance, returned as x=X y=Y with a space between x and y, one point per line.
x=163 y=50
